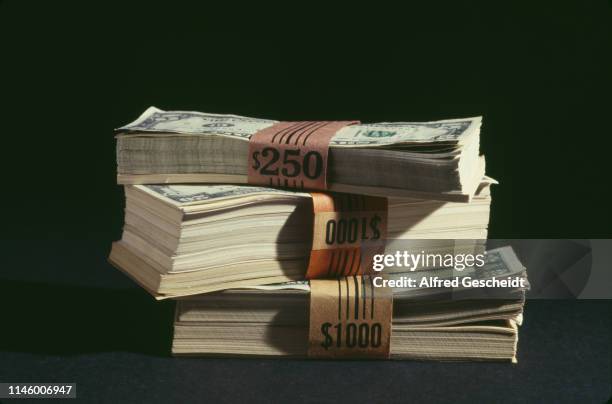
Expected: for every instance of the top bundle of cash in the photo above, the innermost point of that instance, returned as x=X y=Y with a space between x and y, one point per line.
x=434 y=160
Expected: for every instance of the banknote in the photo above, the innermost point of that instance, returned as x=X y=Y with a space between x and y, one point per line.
x=184 y=194
x=155 y=120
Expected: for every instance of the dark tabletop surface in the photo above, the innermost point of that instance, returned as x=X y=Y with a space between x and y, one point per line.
x=68 y=321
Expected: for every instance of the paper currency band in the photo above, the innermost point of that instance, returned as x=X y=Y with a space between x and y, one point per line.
x=349 y=317
x=292 y=154
x=348 y=230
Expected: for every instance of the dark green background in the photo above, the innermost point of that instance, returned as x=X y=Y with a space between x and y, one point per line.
x=539 y=72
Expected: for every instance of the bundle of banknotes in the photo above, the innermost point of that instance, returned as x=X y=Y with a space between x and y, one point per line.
x=273 y=320
x=441 y=158
x=238 y=256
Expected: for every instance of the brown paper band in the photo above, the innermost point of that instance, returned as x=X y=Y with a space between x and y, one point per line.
x=292 y=154
x=348 y=231
x=349 y=317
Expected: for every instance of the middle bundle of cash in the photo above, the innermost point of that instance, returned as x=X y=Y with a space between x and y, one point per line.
x=182 y=240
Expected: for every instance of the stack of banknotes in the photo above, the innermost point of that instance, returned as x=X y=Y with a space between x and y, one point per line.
x=273 y=320
x=235 y=256
x=438 y=160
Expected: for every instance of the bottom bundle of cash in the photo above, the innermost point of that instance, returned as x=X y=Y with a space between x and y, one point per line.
x=427 y=323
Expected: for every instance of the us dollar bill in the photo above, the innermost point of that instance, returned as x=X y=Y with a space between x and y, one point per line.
x=155 y=120
x=186 y=194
